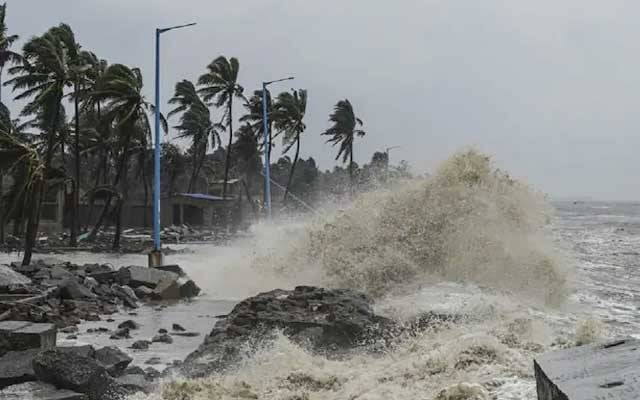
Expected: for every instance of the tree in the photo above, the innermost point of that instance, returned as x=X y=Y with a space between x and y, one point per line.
x=6 y=41
x=220 y=85
x=254 y=117
x=42 y=77
x=127 y=111
x=344 y=131
x=290 y=109
x=195 y=124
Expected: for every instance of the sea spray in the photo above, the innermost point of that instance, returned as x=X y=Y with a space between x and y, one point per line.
x=468 y=223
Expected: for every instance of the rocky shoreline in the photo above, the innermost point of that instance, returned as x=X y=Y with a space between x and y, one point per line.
x=42 y=301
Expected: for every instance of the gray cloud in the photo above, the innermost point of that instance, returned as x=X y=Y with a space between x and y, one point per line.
x=550 y=88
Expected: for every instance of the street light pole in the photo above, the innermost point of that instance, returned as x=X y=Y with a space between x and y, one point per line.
x=267 y=144
x=155 y=257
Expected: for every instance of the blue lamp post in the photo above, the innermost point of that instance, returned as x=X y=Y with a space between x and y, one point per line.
x=267 y=144
x=155 y=257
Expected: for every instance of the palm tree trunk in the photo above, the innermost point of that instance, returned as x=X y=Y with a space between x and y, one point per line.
x=73 y=241
x=116 y=238
x=1 y=73
x=228 y=158
x=293 y=168
x=35 y=204
x=107 y=204
x=1 y=211
x=194 y=171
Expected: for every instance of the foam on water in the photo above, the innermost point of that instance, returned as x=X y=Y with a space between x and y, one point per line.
x=468 y=241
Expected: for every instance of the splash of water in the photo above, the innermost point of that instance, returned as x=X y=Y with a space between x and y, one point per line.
x=468 y=223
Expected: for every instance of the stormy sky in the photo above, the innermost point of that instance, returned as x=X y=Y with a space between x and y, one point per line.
x=550 y=88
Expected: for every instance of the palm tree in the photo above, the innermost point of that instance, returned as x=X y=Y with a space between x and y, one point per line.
x=344 y=131
x=220 y=86
x=255 y=118
x=247 y=154
x=6 y=41
x=127 y=111
x=195 y=123
x=289 y=111
x=42 y=77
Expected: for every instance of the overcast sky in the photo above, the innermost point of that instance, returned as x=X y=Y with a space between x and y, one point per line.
x=550 y=88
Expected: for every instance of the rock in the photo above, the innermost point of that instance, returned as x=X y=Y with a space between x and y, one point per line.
x=136 y=276
x=162 y=338
x=143 y=292
x=70 y=289
x=134 y=370
x=186 y=334
x=90 y=283
x=104 y=277
x=17 y=367
x=153 y=361
x=178 y=328
x=162 y=331
x=42 y=274
x=136 y=383
x=188 y=289
x=67 y=370
x=167 y=290
x=141 y=345
x=81 y=351
x=129 y=324
x=320 y=319
x=69 y=329
x=11 y=277
x=151 y=373
x=607 y=370
x=172 y=268
x=38 y=391
x=129 y=292
x=21 y=335
x=113 y=359
x=71 y=337
x=60 y=274
x=97 y=269
x=121 y=333
x=123 y=295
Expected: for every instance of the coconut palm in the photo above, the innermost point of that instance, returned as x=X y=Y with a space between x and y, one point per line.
x=289 y=113
x=343 y=132
x=254 y=117
x=195 y=124
x=6 y=41
x=127 y=110
x=220 y=85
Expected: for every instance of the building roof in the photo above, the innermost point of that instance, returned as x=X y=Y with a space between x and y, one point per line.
x=201 y=196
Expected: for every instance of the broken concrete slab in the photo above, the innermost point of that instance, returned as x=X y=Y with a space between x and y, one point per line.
x=167 y=290
x=17 y=367
x=609 y=370
x=82 y=351
x=38 y=391
x=71 y=289
x=22 y=335
x=172 y=268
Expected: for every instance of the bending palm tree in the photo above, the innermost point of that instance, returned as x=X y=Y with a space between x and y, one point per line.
x=220 y=85
x=127 y=110
x=195 y=123
x=344 y=131
x=255 y=118
x=6 y=41
x=289 y=110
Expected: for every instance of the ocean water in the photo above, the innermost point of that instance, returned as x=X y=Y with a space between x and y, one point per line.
x=526 y=275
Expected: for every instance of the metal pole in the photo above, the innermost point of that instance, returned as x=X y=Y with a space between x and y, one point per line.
x=267 y=147
x=156 y=159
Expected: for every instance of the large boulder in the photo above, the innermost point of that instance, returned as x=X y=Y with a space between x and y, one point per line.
x=17 y=367
x=67 y=370
x=71 y=289
x=136 y=276
x=113 y=359
x=320 y=319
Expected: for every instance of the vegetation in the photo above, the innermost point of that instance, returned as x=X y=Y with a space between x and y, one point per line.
x=102 y=156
